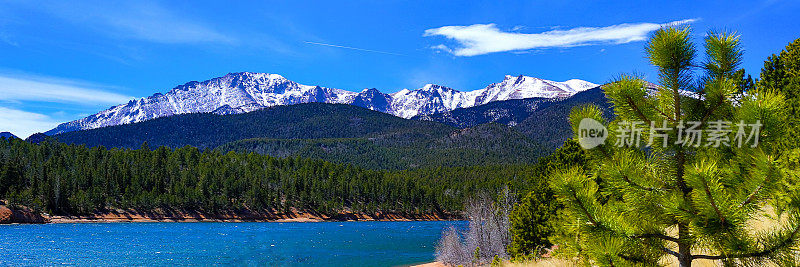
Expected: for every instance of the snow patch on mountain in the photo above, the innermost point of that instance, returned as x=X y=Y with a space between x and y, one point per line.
x=246 y=91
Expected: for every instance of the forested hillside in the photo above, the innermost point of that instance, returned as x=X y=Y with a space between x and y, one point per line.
x=540 y=119
x=68 y=179
x=336 y=133
x=208 y=130
x=488 y=144
x=550 y=126
x=499 y=133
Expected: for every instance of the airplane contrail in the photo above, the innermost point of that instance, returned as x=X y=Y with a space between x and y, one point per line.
x=354 y=48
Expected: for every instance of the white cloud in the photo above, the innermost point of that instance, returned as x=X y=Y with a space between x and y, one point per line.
x=479 y=39
x=54 y=90
x=23 y=123
x=141 y=20
x=441 y=47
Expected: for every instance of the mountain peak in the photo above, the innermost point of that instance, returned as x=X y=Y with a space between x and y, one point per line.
x=401 y=92
x=519 y=77
x=240 y=92
x=7 y=135
x=246 y=75
x=430 y=86
x=370 y=90
x=435 y=87
x=512 y=77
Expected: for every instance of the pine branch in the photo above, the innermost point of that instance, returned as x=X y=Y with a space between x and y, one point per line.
x=659 y=236
x=665 y=115
x=755 y=192
x=688 y=211
x=604 y=150
x=711 y=199
x=628 y=180
x=671 y=252
x=636 y=109
x=782 y=244
x=633 y=259
x=751 y=196
x=583 y=208
x=711 y=110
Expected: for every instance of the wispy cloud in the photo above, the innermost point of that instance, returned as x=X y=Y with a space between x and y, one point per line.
x=43 y=89
x=7 y=39
x=141 y=20
x=354 y=48
x=479 y=39
x=49 y=98
x=23 y=123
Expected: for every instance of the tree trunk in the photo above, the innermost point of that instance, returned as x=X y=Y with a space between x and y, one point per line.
x=684 y=243
x=684 y=248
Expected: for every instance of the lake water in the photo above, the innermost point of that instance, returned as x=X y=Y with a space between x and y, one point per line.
x=261 y=244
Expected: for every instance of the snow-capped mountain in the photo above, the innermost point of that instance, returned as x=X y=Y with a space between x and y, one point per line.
x=244 y=92
x=432 y=99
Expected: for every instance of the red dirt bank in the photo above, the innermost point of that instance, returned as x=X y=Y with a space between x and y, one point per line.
x=19 y=215
x=162 y=215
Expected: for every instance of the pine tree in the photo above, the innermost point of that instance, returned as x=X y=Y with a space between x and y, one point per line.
x=638 y=205
x=781 y=72
x=532 y=217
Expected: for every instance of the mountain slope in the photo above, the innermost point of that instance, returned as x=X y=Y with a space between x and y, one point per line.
x=236 y=92
x=488 y=144
x=244 y=92
x=333 y=132
x=550 y=125
x=542 y=119
x=7 y=135
x=509 y=112
x=207 y=130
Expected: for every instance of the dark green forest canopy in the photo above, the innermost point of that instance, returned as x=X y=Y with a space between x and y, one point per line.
x=69 y=179
x=337 y=133
x=301 y=121
x=486 y=144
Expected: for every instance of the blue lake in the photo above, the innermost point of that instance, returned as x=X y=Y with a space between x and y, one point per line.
x=261 y=244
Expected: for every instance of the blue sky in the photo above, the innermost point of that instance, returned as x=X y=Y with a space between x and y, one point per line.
x=62 y=60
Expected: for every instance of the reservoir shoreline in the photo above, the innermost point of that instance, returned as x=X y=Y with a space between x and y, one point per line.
x=25 y=216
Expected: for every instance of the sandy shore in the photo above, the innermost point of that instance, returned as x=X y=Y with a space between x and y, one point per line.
x=431 y=264
x=236 y=216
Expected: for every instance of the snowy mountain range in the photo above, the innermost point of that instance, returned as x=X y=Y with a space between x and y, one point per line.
x=246 y=91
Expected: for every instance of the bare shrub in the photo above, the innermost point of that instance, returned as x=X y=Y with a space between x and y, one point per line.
x=487 y=236
x=450 y=249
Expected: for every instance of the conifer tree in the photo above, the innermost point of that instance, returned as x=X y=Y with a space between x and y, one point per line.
x=668 y=197
x=781 y=72
x=531 y=219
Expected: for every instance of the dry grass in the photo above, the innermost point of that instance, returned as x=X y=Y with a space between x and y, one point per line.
x=541 y=263
x=560 y=262
x=760 y=223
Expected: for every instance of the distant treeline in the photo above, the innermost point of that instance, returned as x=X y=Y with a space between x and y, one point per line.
x=69 y=179
x=332 y=132
x=482 y=145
